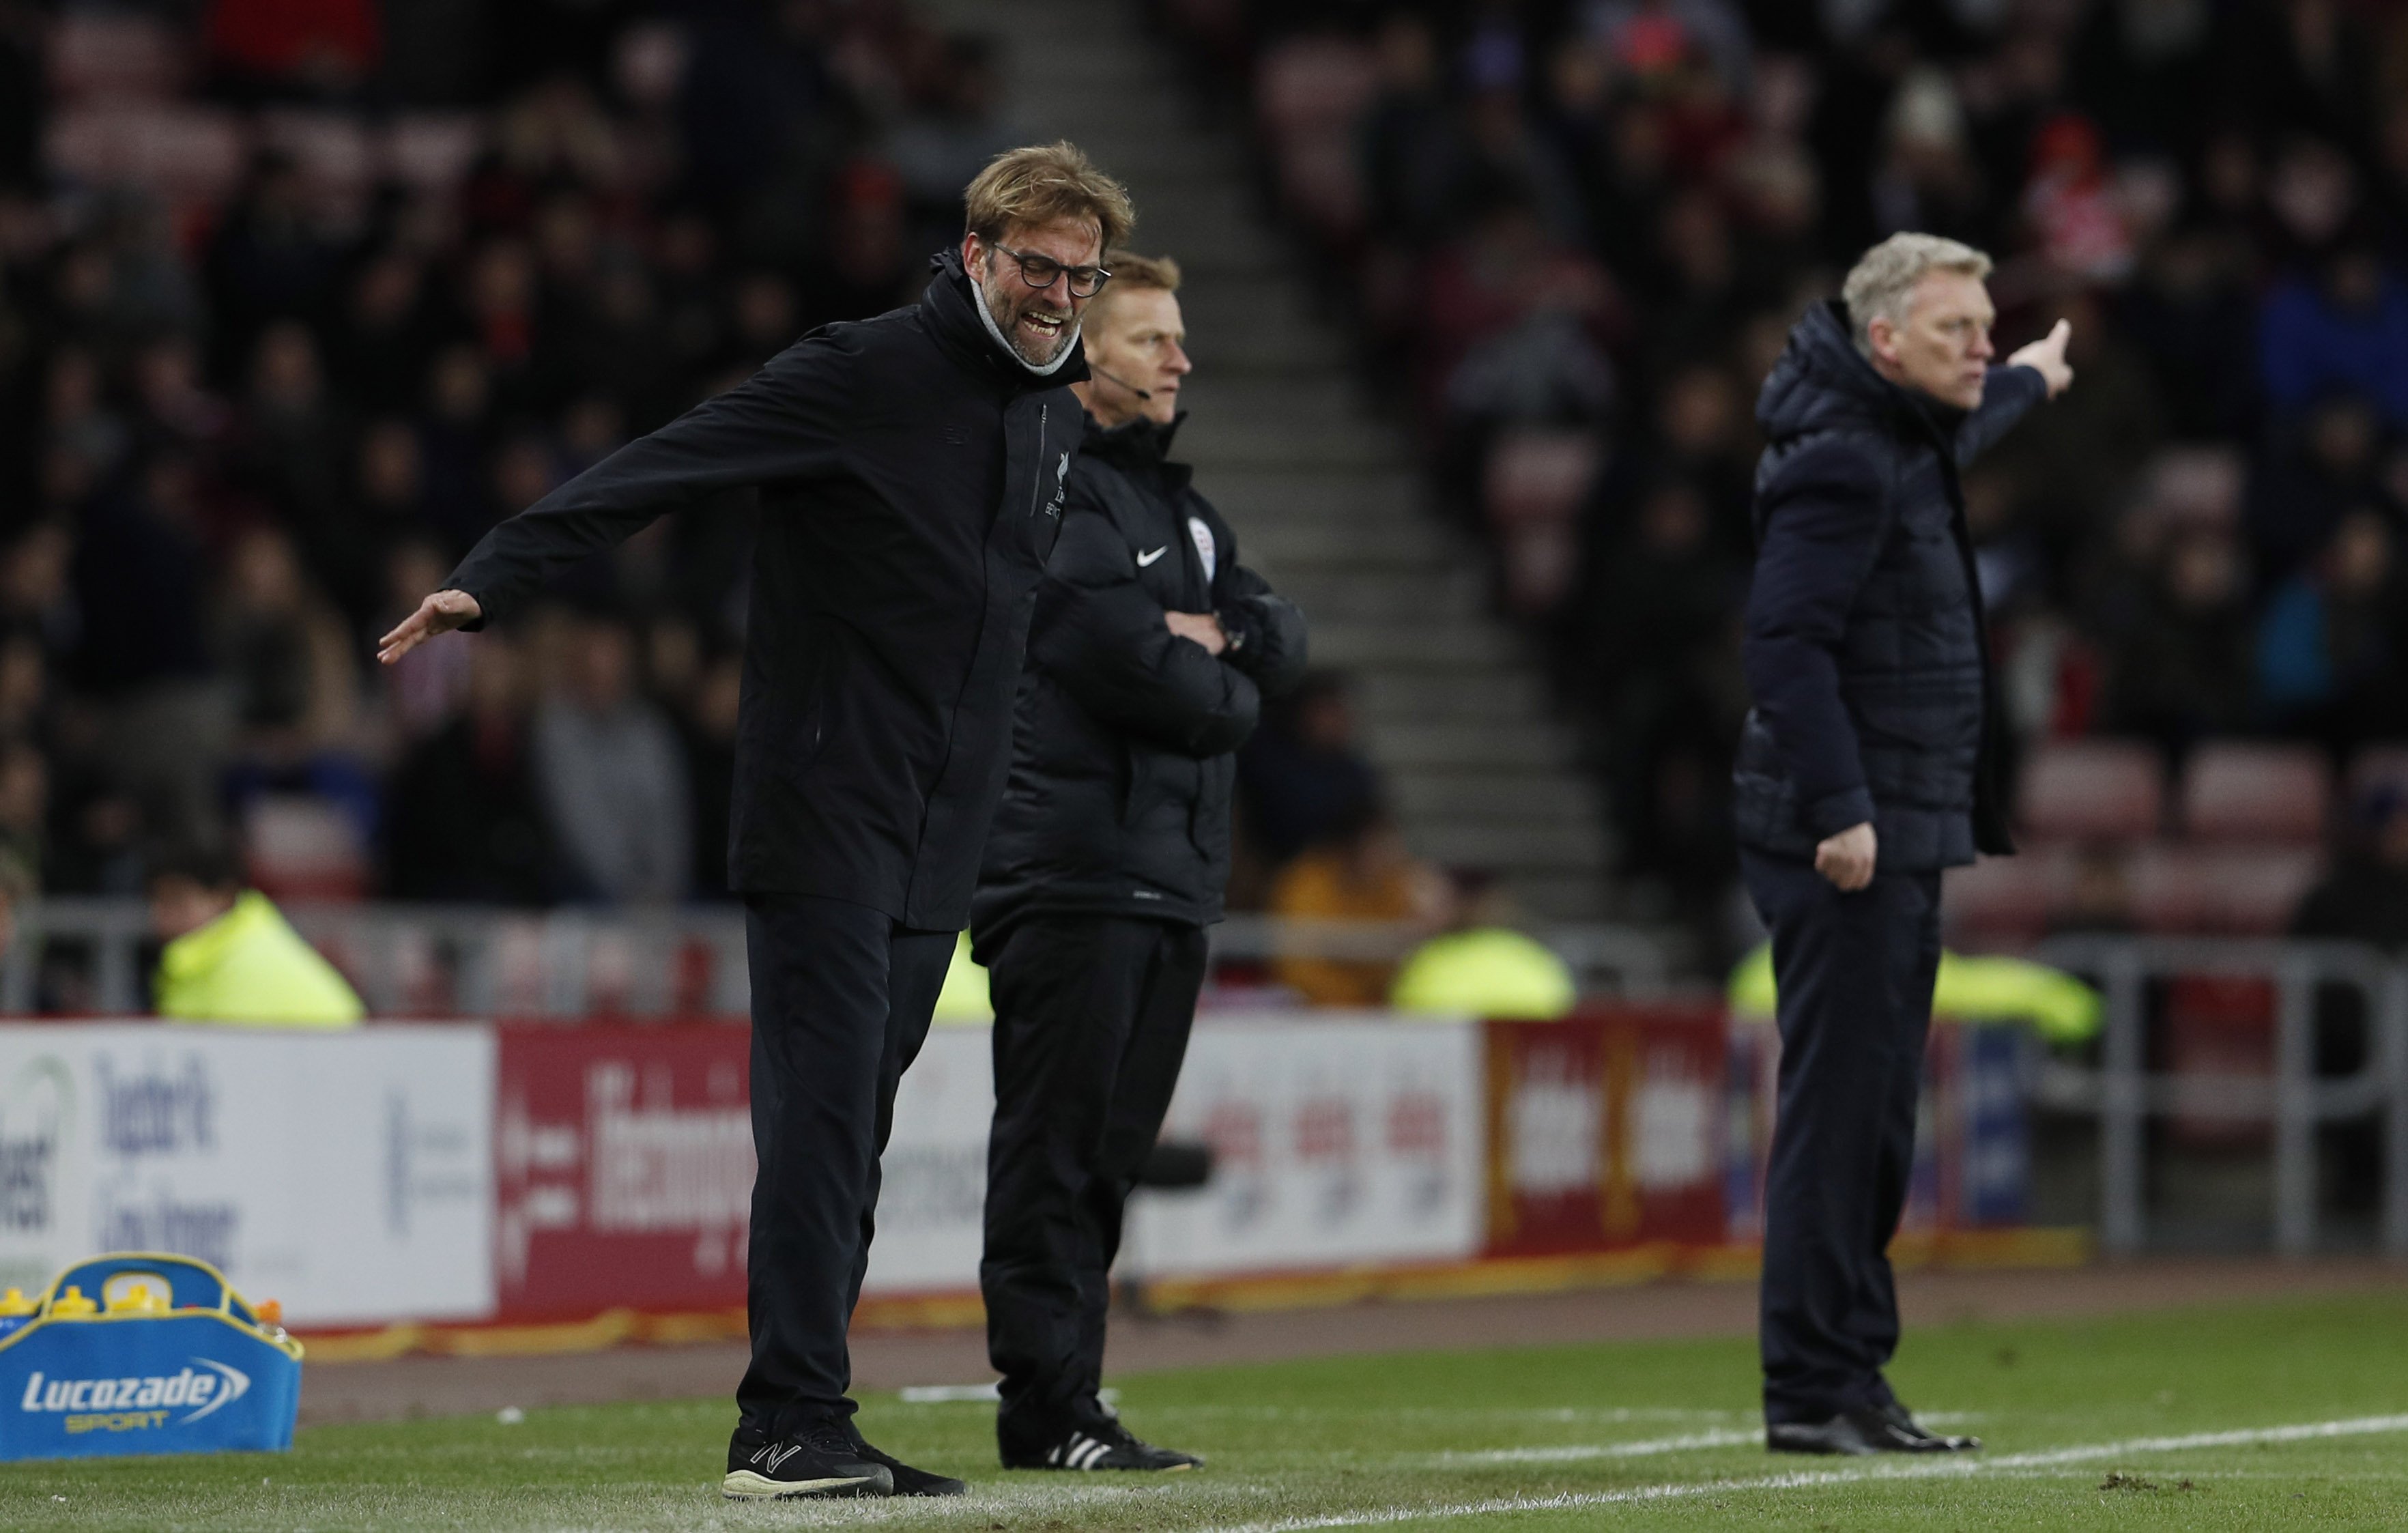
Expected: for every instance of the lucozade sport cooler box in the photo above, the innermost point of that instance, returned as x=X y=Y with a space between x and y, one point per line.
x=200 y=1372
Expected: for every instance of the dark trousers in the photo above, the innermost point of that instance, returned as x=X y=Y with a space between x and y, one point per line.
x=841 y=997
x=1091 y=1022
x=1856 y=973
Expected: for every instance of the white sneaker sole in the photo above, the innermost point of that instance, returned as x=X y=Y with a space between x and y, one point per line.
x=744 y=1486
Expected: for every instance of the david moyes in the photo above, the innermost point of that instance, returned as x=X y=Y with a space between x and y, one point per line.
x=1869 y=763
x=911 y=471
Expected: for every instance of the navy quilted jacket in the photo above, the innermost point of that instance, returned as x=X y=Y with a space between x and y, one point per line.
x=1864 y=649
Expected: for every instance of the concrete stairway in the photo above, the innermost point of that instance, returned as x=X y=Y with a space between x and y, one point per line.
x=1322 y=493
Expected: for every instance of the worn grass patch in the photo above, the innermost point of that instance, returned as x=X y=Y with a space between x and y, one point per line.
x=2265 y=1416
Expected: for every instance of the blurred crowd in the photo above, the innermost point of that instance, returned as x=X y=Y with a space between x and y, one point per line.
x=295 y=301
x=1580 y=230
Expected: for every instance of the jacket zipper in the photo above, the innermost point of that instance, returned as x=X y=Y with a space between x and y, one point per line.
x=1036 y=479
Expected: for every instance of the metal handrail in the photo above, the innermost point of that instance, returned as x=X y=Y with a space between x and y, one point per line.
x=2124 y=1093
x=578 y=962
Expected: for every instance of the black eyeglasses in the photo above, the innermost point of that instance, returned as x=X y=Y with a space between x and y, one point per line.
x=1040 y=272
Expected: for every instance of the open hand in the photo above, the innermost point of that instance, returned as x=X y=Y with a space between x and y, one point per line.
x=1847 y=859
x=438 y=614
x=2046 y=356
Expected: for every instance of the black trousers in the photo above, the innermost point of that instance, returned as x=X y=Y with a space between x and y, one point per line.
x=1856 y=973
x=1091 y=1020
x=841 y=997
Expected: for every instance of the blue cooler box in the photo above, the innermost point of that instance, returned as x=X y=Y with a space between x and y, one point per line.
x=193 y=1370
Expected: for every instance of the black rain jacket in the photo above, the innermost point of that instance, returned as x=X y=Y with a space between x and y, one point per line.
x=1123 y=763
x=1865 y=647
x=911 y=475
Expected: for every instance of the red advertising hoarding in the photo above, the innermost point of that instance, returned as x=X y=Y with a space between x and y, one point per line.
x=622 y=1169
x=1605 y=1130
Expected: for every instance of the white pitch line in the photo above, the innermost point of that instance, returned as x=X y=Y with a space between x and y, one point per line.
x=1913 y=1470
x=1579 y=1452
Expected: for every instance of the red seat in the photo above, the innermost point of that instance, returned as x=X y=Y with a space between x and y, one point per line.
x=2093 y=790
x=2271 y=794
x=2001 y=900
x=2226 y=891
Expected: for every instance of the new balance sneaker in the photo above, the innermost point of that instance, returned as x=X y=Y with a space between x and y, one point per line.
x=909 y=1481
x=1104 y=1445
x=820 y=1460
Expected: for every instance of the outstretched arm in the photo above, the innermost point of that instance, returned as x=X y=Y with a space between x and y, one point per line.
x=784 y=422
x=2035 y=372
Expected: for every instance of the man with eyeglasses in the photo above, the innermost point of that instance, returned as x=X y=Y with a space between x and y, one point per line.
x=1152 y=650
x=912 y=471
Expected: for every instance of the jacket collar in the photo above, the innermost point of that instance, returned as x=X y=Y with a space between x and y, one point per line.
x=1139 y=443
x=1822 y=382
x=958 y=317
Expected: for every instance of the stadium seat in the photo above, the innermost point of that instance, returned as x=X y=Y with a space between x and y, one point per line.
x=2007 y=900
x=2278 y=793
x=114 y=56
x=2093 y=790
x=2227 y=891
x=178 y=152
x=2170 y=890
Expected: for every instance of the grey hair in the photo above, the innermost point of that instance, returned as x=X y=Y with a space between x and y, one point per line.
x=1886 y=275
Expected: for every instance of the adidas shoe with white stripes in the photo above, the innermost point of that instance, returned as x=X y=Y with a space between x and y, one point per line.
x=1100 y=1445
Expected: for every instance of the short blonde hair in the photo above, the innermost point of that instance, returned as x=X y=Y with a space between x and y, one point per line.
x=1047 y=183
x=1884 y=277
x=1135 y=273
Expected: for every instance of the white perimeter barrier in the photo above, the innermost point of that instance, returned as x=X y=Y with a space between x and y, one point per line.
x=348 y=1175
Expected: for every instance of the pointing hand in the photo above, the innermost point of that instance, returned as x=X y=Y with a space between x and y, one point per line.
x=2046 y=356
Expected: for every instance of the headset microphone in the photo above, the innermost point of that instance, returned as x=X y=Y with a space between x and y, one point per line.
x=1142 y=393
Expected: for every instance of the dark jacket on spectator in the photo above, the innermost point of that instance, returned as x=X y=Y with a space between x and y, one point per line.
x=1123 y=766
x=1865 y=647
x=911 y=475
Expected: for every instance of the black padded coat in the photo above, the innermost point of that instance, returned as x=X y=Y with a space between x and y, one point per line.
x=1122 y=767
x=1864 y=647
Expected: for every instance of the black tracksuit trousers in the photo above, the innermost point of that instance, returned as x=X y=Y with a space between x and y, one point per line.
x=1856 y=973
x=1091 y=1020
x=841 y=998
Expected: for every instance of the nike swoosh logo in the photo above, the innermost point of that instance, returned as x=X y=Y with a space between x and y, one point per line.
x=1145 y=559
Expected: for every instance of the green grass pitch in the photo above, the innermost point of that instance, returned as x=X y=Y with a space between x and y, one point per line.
x=2270 y=1416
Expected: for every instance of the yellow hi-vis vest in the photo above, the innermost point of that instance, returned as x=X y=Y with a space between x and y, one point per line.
x=2061 y=1008
x=963 y=1002
x=1492 y=971
x=250 y=966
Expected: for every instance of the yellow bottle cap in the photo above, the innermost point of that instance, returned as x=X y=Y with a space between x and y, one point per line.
x=72 y=1302
x=14 y=1302
x=138 y=1301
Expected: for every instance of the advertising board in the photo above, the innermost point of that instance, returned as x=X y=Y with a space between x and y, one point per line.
x=1337 y=1141
x=348 y=1175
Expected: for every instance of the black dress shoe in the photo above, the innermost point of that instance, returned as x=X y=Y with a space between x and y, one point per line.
x=1886 y=1431
x=1896 y=1416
